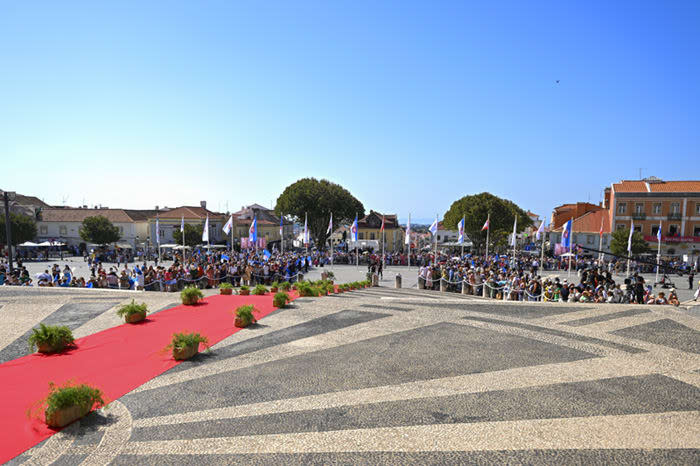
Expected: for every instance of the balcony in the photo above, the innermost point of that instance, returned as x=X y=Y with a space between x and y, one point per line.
x=675 y=216
x=639 y=216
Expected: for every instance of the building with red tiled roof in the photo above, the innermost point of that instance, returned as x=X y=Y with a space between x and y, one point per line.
x=369 y=226
x=586 y=231
x=565 y=212
x=652 y=203
x=268 y=225
x=63 y=224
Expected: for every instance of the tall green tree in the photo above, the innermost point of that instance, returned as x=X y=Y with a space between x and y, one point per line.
x=618 y=244
x=23 y=228
x=476 y=208
x=193 y=235
x=99 y=230
x=318 y=199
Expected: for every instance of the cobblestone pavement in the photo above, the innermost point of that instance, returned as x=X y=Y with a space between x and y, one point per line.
x=385 y=376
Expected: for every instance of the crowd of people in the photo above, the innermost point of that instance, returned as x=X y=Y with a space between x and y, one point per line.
x=519 y=279
x=205 y=270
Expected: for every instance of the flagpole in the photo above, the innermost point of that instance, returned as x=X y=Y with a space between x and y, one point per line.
x=542 y=249
x=435 y=261
x=158 y=233
x=282 y=234
x=658 y=252
x=306 y=235
x=463 y=218
x=571 y=247
x=231 y=236
x=357 y=236
x=208 y=241
x=629 y=247
x=488 y=230
x=515 y=232
x=183 y=240
x=408 y=232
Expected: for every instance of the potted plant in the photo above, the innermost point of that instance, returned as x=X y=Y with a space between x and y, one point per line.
x=50 y=338
x=285 y=286
x=225 y=288
x=69 y=402
x=259 y=290
x=280 y=299
x=133 y=312
x=330 y=276
x=244 y=316
x=274 y=287
x=185 y=345
x=191 y=295
x=244 y=291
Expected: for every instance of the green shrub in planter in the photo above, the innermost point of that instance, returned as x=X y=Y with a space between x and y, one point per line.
x=133 y=312
x=244 y=316
x=50 y=338
x=225 y=288
x=259 y=290
x=285 y=286
x=64 y=404
x=185 y=345
x=244 y=290
x=191 y=295
x=306 y=289
x=280 y=299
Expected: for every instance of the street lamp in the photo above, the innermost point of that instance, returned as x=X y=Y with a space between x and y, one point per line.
x=7 y=197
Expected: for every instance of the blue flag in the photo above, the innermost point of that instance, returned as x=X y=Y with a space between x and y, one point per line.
x=566 y=235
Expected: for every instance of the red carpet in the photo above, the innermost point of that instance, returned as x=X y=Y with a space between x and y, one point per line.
x=116 y=360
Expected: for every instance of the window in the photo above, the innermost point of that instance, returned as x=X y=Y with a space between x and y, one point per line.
x=589 y=239
x=44 y=230
x=673 y=230
x=605 y=240
x=620 y=226
x=62 y=230
x=639 y=208
x=371 y=235
x=696 y=231
x=675 y=207
x=622 y=208
x=697 y=208
x=657 y=208
x=360 y=236
x=638 y=228
x=654 y=230
x=121 y=230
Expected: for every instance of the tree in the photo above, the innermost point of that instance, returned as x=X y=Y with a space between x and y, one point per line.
x=23 y=228
x=618 y=244
x=193 y=235
x=99 y=230
x=318 y=199
x=476 y=209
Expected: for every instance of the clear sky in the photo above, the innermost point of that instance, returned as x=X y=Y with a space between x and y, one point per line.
x=409 y=105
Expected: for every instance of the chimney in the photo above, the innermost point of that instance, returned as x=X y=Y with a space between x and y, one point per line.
x=203 y=204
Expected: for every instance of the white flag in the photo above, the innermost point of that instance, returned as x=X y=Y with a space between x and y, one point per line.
x=229 y=225
x=434 y=227
x=460 y=229
x=205 y=232
x=330 y=225
x=629 y=240
x=182 y=224
x=540 y=230
x=407 y=239
x=515 y=229
x=306 y=229
x=157 y=232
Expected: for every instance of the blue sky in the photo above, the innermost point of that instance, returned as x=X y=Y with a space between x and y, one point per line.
x=409 y=105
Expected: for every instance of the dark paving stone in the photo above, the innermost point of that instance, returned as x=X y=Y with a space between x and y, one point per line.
x=505 y=457
x=69 y=460
x=307 y=329
x=606 y=317
x=615 y=396
x=521 y=311
x=72 y=315
x=166 y=307
x=665 y=332
x=391 y=308
x=560 y=333
x=435 y=351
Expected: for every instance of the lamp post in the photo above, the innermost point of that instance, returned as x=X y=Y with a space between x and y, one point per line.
x=7 y=197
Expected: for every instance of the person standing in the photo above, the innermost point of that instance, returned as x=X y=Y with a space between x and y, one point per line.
x=690 y=280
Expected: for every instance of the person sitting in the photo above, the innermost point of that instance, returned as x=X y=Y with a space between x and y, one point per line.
x=661 y=298
x=673 y=297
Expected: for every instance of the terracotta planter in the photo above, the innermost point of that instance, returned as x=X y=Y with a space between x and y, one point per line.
x=46 y=348
x=240 y=323
x=63 y=417
x=137 y=317
x=274 y=289
x=226 y=291
x=244 y=292
x=186 y=352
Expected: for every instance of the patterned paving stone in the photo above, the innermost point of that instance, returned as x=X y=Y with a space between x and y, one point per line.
x=606 y=317
x=665 y=332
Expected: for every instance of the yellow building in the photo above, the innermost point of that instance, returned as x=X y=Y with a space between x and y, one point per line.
x=369 y=228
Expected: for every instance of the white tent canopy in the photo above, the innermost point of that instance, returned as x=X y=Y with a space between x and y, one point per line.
x=169 y=246
x=182 y=247
x=51 y=244
x=28 y=244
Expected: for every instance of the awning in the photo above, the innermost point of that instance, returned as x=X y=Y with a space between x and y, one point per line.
x=182 y=247
x=28 y=244
x=169 y=246
x=124 y=245
x=51 y=244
